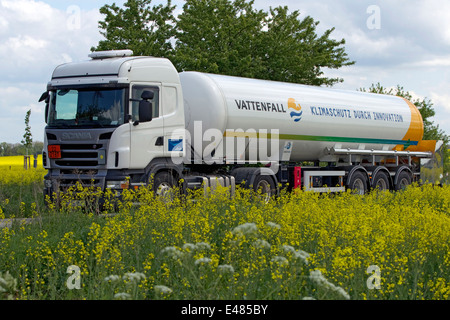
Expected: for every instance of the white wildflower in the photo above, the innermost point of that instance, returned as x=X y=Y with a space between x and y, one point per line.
x=317 y=277
x=245 y=229
x=297 y=254
x=112 y=278
x=302 y=255
x=273 y=225
x=202 y=246
x=261 y=244
x=173 y=252
x=162 y=290
x=342 y=292
x=202 y=261
x=189 y=247
x=3 y=286
x=122 y=296
x=8 y=284
x=225 y=268
x=134 y=277
x=288 y=249
x=282 y=261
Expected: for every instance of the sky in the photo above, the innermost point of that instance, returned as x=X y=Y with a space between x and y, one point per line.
x=401 y=42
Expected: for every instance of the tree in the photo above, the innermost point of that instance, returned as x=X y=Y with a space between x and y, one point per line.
x=17 y=149
x=425 y=107
x=27 y=141
x=292 y=51
x=221 y=36
x=227 y=37
x=144 y=29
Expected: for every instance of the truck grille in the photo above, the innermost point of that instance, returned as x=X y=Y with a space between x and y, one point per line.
x=79 y=155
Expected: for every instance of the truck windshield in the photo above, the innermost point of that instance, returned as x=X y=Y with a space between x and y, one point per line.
x=87 y=107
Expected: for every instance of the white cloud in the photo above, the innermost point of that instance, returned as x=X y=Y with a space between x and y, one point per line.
x=441 y=99
x=4 y=25
x=27 y=11
x=15 y=101
x=433 y=17
x=368 y=50
x=433 y=62
x=34 y=38
x=40 y=33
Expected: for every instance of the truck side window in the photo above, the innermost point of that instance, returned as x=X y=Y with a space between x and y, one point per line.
x=136 y=93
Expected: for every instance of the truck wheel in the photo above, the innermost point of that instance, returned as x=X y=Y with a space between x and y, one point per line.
x=404 y=180
x=163 y=184
x=358 y=183
x=381 y=181
x=264 y=185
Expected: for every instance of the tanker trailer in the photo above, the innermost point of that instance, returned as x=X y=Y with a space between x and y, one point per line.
x=328 y=139
x=122 y=121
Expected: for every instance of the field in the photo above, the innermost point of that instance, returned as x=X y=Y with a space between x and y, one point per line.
x=381 y=246
x=21 y=188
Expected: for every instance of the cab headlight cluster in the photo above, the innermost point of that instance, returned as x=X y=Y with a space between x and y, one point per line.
x=124 y=184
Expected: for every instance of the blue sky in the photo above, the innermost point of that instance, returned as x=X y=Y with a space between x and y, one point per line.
x=402 y=42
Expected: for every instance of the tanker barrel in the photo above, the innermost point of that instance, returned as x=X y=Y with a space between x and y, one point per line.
x=305 y=119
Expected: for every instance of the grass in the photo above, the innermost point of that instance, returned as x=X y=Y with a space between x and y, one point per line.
x=382 y=246
x=299 y=246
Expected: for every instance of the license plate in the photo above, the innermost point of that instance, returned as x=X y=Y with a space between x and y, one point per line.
x=54 y=152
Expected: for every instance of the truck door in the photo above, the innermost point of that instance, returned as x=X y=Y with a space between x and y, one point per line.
x=146 y=137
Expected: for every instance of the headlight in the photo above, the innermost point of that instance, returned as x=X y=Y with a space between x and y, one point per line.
x=118 y=184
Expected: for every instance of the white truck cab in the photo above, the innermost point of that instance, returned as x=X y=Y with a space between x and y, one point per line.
x=112 y=118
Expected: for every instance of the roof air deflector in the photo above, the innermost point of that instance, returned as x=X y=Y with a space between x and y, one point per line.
x=110 y=54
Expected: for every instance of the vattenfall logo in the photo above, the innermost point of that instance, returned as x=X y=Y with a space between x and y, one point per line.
x=272 y=107
x=297 y=114
x=260 y=106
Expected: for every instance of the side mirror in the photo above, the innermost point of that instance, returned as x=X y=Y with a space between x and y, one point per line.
x=45 y=97
x=145 y=107
x=145 y=111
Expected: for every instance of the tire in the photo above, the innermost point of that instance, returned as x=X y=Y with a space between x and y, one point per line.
x=163 y=184
x=265 y=185
x=358 y=183
x=381 y=181
x=403 y=181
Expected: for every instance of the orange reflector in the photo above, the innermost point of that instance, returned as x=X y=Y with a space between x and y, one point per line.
x=54 y=151
x=124 y=184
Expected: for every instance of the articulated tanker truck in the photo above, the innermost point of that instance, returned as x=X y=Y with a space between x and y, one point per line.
x=122 y=121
